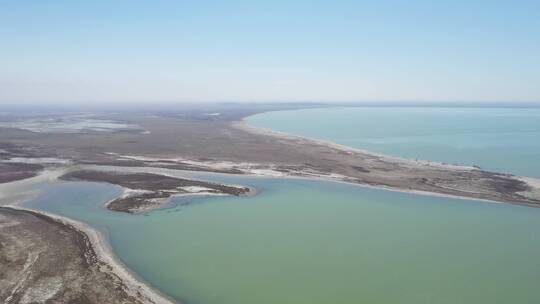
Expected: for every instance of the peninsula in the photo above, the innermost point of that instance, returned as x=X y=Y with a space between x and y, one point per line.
x=147 y=156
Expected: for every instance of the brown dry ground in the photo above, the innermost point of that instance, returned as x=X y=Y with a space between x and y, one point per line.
x=158 y=187
x=43 y=261
x=16 y=171
x=203 y=138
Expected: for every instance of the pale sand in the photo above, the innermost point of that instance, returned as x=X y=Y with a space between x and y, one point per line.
x=22 y=190
x=135 y=286
x=160 y=203
x=255 y=174
x=534 y=183
x=244 y=126
x=18 y=192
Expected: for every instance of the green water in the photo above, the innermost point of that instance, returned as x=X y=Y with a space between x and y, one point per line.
x=500 y=139
x=314 y=242
x=306 y=242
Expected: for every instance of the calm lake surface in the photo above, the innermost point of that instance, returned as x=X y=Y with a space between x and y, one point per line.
x=499 y=139
x=314 y=242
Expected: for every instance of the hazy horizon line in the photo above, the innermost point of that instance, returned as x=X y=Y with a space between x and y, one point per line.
x=161 y=105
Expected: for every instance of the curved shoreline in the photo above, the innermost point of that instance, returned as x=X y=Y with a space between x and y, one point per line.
x=531 y=182
x=98 y=242
x=321 y=178
x=14 y=194
x=101 y=244
x=245 y=126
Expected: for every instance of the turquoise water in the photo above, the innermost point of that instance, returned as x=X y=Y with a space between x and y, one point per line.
x=310 y=242
x=500 y=139
x=315 y=242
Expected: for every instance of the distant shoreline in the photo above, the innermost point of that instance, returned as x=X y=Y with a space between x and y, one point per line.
x=244 y=125
x=251 y=151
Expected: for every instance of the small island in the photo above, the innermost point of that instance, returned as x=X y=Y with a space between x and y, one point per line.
x=60 y=255
x=146 y=191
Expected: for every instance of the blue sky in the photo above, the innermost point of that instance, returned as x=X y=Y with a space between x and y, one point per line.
x=174 y=51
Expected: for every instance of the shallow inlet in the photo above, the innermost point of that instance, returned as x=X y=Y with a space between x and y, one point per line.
x=318 y=242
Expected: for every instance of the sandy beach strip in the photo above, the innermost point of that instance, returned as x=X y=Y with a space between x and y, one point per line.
x=245 y=126
x=136 y=287
x=12 y=194
x=336 y=178
x=312 y=177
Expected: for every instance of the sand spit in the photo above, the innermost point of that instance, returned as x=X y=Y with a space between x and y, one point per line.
x=449 y=180
x=148 y=191
x=18 y=191
x=243 y=125
x=222 y=144
x=14 y=194
x=534 y=183
x=274 y=171
x=255 y=173
x=248 y=171
x=96 y=243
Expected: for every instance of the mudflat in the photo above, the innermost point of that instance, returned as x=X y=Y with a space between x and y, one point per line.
x=43 y=259
x=16 y=171
x=191 y=140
